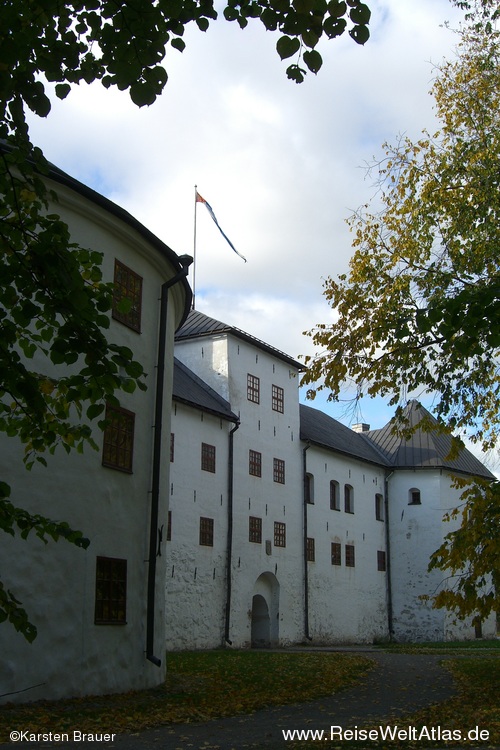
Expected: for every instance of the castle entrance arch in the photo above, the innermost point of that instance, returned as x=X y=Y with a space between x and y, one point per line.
x=265 y=611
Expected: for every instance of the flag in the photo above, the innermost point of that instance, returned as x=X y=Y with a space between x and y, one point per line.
x=209 y=208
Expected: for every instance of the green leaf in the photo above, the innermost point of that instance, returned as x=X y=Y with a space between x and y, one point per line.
x=360 y=34
x=287 y=46
x=62 y=90
x=313 y=60
x=360 y=14
x=295 y=73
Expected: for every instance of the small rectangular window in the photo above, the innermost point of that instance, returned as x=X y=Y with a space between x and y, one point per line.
x=278 y=399
x=279 y=470
x=110 y=591
x=255 y=529
x=253 y=388
x=255 y=463
x=118 y=439
x=279 y=534
x=169 y=526
x=380 y=560
x=172 y=443
x=348 y=499
x=334 y=496
x=207 y=532
x=208 y=457
x=310 y=549
x=379 y=507
x=349 y=555
x=336 y=553
x=127 y=297
x=414 y=497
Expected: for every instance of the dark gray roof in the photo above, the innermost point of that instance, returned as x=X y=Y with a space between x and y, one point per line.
x=189 y=389
x=198 y=325
x=321 y=429
x=425 y=448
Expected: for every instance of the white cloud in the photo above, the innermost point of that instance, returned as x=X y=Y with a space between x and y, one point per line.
x=282 y=165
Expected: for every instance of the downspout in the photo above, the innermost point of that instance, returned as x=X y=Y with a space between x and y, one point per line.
x=230 y=494
x=185 y=261
x=388 y=556
x=306 y=571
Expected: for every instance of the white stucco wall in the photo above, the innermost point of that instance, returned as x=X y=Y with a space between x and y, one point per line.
x=346 y=604
x=416 y=532
x=56 y=582
x=196 y=574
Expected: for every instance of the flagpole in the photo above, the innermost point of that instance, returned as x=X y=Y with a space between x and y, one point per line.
x=194 y=248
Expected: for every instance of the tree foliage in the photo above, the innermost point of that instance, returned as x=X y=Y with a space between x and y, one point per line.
x=470 y=555
x=419 y=310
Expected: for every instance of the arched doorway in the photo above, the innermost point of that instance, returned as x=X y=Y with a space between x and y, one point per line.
x=265 y=611
x=261 y=630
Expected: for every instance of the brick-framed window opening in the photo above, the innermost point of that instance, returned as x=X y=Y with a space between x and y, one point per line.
x=336 y=553
x=207 y=532
x=278 y=399
x=349 y=556
x=118 y=439
x=110 y=591
x=208 y=457
x=255 y=463
x=310 y=549
x=127 y=286
x=255 y=529
x=279 y=534
x=279 y=470
x=253 y=388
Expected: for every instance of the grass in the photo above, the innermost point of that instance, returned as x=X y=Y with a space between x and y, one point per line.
x=200 y=686
x=205 y=685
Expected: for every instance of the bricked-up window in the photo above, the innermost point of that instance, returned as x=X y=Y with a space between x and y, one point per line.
x=169 y=526
x=255 y=530
x=279 y=470
x=279 y=534
x=208 y=457
x=207 y=532
x=334 y=495
x=172 y=444
x=379 y=507
x=118 y=440
x=380 y=560
x=310 y=549
x=255 y=463
x=110 y=591
x=336 y=553
x=127 y=293
x=348 y=499
x=349 y=555
x=253 y=388
x=278 y=400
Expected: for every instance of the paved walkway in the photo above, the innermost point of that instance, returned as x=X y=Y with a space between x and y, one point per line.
x=398 y=685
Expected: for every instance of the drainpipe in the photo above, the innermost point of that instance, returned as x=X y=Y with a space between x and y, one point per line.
x=306 y=572
x=388 y=556
x=185 y=261
x=230 y=489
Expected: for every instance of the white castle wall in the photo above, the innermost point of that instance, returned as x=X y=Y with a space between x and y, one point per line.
x=56 y=582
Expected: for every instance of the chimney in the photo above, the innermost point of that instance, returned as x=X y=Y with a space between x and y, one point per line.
x=361 y=427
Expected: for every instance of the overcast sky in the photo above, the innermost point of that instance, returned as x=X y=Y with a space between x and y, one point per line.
x=281 y=164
